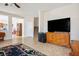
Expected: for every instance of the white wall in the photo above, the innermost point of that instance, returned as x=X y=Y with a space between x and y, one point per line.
x=28 y=26
x=9 y=34
x=71 y=11
x=41 y=21
x=35 y=21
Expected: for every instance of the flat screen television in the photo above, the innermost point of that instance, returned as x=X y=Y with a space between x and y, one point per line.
x=59 y=25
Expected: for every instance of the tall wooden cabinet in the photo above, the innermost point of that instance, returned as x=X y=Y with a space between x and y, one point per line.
x=19 y=29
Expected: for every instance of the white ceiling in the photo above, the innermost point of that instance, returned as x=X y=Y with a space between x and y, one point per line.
x=32 y=8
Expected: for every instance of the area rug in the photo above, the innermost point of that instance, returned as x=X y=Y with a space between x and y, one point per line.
x=18 y=50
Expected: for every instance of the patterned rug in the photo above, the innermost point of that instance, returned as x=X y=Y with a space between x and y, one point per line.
x=19 y=50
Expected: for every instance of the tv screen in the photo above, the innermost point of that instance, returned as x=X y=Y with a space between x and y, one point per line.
x=60 y=25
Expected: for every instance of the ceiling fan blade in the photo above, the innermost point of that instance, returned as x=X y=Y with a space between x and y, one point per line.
x=16 y=5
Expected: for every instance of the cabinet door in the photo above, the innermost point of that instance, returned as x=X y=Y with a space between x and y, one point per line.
x=62 y=38
x=59 y=38
x=19 y=29
x=50 y=37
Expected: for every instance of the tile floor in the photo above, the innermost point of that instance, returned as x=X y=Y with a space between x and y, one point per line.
x=45 y=48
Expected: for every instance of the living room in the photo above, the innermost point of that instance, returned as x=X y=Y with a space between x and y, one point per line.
x=42 y=45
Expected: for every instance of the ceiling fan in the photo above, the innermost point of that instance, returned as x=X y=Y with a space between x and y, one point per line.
x=6 y=4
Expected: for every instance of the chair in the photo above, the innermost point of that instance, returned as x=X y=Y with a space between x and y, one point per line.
x=2 y=35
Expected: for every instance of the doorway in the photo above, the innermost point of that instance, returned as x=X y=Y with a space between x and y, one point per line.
x=17 y=27
x=35 y=27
